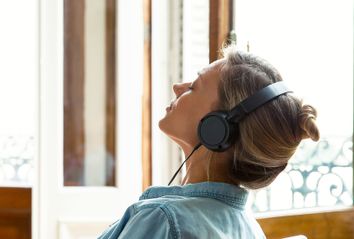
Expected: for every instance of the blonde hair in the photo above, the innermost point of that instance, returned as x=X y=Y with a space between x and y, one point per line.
x=269 y=136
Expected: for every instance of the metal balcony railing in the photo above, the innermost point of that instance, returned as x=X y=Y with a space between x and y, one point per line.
x=319 y=174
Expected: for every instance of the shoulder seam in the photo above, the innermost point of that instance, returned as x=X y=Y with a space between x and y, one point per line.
x=171 y=220
x=167 y=212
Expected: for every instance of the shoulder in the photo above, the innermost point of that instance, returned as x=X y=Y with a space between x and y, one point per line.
x=147 y=221
x=160 y=210
x=189 y=217
x=180 y=213
x=198 y=217
x=174 y=207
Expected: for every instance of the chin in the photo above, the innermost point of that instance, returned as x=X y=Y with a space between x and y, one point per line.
x=165 y=127
x=162 y=124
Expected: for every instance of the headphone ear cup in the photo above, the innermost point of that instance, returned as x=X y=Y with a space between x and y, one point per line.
x=215 y=132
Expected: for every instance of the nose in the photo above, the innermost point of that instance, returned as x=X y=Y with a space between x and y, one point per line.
x=179 y=88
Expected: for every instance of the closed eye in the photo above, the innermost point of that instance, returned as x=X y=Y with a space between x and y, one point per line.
x=191 y=86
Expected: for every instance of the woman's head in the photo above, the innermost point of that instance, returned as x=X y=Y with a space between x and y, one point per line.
x=267 y=137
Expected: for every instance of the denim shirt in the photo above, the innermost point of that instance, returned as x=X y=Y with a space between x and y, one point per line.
x=201 y=210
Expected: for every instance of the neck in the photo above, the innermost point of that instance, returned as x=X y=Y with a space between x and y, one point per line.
x=205 y=165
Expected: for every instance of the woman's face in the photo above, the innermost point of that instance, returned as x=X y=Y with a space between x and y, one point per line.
x=193 y=101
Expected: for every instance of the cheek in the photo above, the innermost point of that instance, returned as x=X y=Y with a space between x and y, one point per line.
x=189 y=112
x=181 y=123
x=177 y=122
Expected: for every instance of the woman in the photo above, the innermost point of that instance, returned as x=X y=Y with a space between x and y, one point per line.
x=210 y=203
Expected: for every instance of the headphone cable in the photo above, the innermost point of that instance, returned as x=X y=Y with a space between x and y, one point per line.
x=195 y=148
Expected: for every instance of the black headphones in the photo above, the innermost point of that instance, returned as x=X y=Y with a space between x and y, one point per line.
x=218 y=129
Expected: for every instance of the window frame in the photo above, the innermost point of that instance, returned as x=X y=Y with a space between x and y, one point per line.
x=146 y=104
x=220 y=25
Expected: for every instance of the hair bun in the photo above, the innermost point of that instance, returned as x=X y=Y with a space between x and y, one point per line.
x=307 y=123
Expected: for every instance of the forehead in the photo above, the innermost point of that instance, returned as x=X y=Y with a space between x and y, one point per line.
x=210 y=75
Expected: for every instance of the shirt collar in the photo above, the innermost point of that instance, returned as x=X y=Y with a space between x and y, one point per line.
x=227 y=193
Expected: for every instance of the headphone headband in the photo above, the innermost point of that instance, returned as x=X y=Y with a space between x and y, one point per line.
x=258 y=99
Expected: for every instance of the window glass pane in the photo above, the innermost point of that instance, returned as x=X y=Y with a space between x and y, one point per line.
x=89 y=93
x=311 y=44
x=195 y=37
x=18 y=64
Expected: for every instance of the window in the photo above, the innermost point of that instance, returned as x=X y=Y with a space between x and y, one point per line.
x=62 y=211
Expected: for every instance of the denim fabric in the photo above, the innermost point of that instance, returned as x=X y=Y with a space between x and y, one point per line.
x=201 y=210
